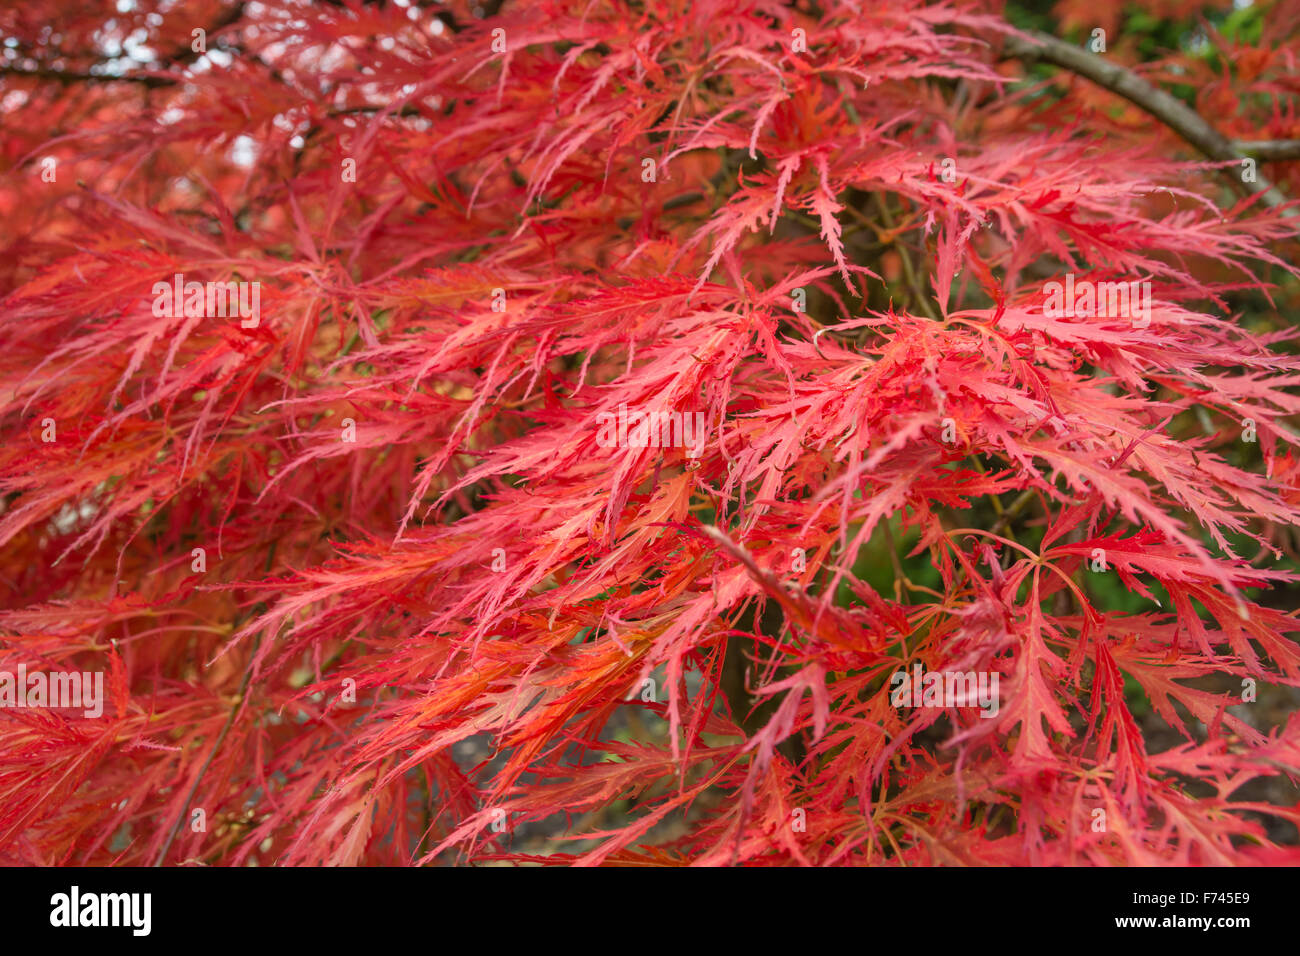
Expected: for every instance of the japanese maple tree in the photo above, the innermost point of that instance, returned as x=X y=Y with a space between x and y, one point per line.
x=383 y=565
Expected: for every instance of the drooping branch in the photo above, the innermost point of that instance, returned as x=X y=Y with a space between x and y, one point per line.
x=1182 y=119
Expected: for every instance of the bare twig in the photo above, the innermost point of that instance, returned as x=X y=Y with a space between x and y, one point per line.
x=70 y=76
x=909 y=271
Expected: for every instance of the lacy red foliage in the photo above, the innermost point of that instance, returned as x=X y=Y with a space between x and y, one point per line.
x=318 y=549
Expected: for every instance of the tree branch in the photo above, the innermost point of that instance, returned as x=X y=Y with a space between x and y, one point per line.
x=69 y=76
x=1169 y=110
x=182 y=56
x=1269 y=150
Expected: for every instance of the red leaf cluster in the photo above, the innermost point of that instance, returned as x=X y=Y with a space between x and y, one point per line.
x=410 y=508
